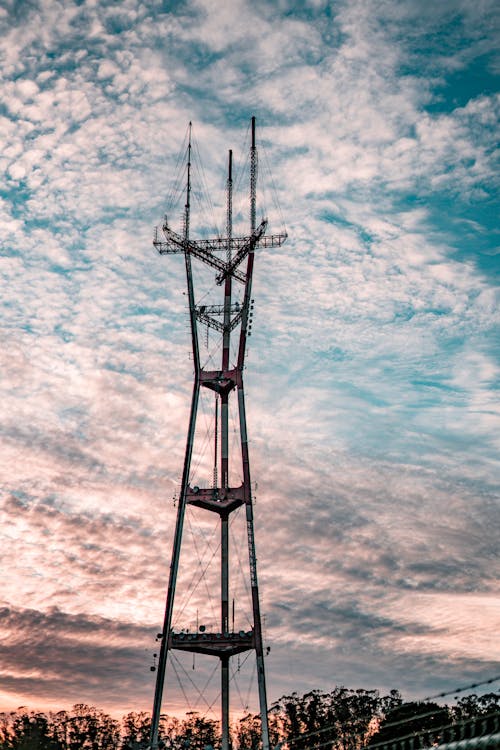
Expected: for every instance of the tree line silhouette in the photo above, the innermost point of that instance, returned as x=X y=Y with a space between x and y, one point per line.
x=343 y=719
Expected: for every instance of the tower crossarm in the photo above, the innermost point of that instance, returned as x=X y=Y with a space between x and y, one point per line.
x=242 y=251
x=273 y=240
x=219 y=500
x=205 y=250
x=203 y=317
x=205 y=313
x=202 y=249
x=213 y=644
x=257 y=239
x=220 y=381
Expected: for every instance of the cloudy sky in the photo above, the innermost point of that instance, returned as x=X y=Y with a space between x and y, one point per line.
x=372 y=378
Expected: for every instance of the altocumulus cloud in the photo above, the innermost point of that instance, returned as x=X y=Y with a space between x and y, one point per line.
x=373 y=374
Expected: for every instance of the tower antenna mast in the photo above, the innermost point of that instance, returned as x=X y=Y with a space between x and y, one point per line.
x=233 y=259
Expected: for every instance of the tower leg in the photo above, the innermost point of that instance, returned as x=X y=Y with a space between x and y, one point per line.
x=225 y=702
x=225 y=630
x=174 y=566
x=259 y=650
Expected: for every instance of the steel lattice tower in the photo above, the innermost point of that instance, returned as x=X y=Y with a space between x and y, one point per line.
x=232 y=258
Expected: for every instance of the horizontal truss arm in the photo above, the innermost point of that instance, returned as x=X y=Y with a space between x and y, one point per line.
x=205 y=249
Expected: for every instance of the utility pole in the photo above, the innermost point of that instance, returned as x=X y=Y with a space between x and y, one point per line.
x=232 y=258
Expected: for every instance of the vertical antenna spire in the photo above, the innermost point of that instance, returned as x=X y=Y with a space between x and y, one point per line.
x=187 y=207
x=229 y=208
x=253 y=180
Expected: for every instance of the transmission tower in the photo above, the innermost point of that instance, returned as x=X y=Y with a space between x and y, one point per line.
x=232 y=258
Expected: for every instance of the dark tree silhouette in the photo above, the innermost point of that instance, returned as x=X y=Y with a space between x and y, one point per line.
x=413 y=719
x=136 y=728
x=340 y=720
x=247 y=733
x=197 y=732
x=472 y=705
x=32 y=731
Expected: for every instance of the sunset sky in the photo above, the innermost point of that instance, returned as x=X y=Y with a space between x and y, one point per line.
x=372 y=376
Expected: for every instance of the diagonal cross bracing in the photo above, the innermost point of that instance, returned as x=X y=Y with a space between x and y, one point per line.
x=205 y=249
